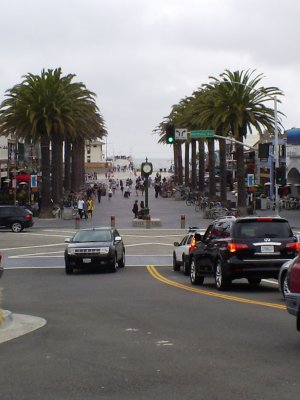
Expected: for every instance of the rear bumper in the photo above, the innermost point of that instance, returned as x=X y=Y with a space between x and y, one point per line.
x=292 y=301
x=254 y=268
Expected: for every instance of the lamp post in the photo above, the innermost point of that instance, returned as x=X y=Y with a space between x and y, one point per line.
x=276 y=153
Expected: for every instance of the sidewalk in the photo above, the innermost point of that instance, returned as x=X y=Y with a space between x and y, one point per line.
x=168 y=210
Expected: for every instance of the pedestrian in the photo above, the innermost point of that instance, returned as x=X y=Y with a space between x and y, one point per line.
x=135 y=209
x=90 y=207
x=85 y=214
x=142 y=208
x=80 y=205
x=110 y=193
x=157 y=190
x=99 y=194
x=126 y=191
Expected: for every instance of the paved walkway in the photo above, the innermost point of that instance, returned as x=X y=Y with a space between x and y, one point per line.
x=168 y=210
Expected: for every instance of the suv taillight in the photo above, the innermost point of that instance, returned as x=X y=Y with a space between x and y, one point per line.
x=293 y=246
x=193 y=245
x=28 y=216
x=233 y=247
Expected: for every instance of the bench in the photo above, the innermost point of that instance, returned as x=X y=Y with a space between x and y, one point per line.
x=142 y=223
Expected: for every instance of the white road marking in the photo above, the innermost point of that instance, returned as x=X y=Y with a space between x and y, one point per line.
x=32 y=247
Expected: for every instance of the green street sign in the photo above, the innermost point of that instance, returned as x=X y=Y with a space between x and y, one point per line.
x=201 y=134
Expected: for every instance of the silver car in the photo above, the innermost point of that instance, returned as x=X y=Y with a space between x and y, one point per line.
x=282 y=277
x=181 y=250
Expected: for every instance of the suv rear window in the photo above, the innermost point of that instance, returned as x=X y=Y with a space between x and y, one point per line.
x=262 y=229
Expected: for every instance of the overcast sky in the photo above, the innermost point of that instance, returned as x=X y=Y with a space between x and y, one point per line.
x=142 y=56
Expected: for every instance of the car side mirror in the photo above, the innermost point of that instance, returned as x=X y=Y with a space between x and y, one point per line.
x=176 y=244
x=118 y=239
x=67 y=240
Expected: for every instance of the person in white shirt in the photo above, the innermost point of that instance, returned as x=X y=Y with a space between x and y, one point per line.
x=80 y=206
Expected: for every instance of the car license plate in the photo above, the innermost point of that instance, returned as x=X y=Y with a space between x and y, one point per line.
x=267 y=249
x=87 y=260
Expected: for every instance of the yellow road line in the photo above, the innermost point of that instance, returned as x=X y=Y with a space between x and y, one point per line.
x=153 y=271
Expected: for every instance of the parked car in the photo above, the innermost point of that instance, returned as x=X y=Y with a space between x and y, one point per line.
x=292 y=298
x=282 y=278
x=182 y=249
x=15 y=217
x=96 y=247
x=249 y=247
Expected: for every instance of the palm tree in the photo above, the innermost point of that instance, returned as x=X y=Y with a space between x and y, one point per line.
x=241 y=105
x=50 y=108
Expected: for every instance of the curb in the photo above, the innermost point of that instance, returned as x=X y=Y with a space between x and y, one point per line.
x=16 y=325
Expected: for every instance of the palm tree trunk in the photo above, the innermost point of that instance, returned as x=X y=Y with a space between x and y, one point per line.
x=194 y=165
x=211 y=168
x=223 y=171
x=175 y=163
x=75 y=182
x=81 y=161
x=187 y=163
x=201 y=167
x=180 y=172
x=46 y=206
x=56 y=169
x=240 y=165
x=67 y=180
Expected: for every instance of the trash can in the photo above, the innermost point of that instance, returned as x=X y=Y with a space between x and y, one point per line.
x=263 y=204
x=67 y=213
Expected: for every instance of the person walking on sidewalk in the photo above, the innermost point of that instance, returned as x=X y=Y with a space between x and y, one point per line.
x=90 y=207
x=99 y=194
x=80 y=205
x=135 y=209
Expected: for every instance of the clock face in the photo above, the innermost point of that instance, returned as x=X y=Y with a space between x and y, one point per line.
x=147 y=168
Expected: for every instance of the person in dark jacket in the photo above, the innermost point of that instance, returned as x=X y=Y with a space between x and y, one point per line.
x=135 y=209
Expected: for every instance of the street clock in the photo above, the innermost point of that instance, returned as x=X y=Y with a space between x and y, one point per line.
x=147 y=168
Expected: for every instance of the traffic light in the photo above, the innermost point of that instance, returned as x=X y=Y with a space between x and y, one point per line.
x=280 y=176
x=170 y=133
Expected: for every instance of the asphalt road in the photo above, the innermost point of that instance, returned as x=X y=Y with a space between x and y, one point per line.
x=144 y=332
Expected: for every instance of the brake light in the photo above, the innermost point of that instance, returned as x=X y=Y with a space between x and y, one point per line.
x=264 y=219
x=233 y=247
x=193 y=245
x=28 y=216
x=293 y=246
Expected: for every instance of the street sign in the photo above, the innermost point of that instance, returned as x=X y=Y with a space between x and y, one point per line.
x=181 y=134
x=202 y=134
x=250 y=180
x=33 y=181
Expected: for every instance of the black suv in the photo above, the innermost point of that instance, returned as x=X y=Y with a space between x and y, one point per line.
x=15 y=217
x=101 y=247
x=250 y=247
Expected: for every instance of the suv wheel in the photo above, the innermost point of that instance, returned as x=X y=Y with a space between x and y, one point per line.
x=176 y=265
x=195 y=279
x=284 y=285
x=222 y=282
x=121 y=262
x=69 y=269
x=186 y=266
x=16 y=227
x=113 y=267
